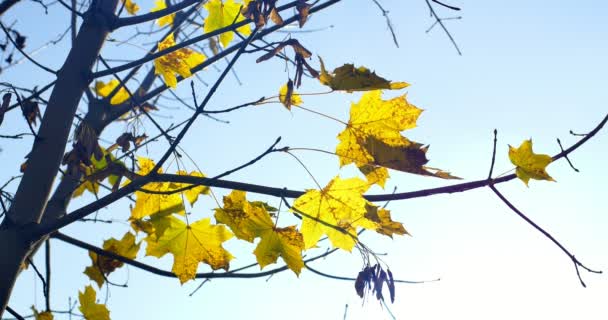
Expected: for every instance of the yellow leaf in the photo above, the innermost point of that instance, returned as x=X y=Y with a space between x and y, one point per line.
x=193 y=193
x=285 y=92
x=46 y=315
x=350 y=79
x=528 y=164
x=287 y=243
x=97 y=166
x=104 y=90
x=374 y=174
x=131 y=6
x=246 y=220
x=222 y=15
x=190 y=245
x=249 y=220
x=336 y=210
x=166 y=20
x=177 y=62
x=385 y=225
x=88 y=306
x=373 y=137
x=163 y=198
x=102 y=266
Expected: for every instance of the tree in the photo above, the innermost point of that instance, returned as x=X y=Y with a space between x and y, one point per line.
x=161 y=199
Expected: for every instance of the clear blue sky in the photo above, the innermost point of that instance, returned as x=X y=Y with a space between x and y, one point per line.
x=529 y=69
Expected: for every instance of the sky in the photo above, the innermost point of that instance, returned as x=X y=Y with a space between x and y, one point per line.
x=529 y=69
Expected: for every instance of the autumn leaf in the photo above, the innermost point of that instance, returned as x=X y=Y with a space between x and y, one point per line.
x=336 y=211
x=288 y=97
x=286 y=243
x=92 y=185
x=375 y=174
x=372 y=138
x=131 y=6
x=529 y=165
x=45 y=315
x=382 y=218
x=166 y=20
x=91 y=310
x=191 y=244
x=222 y=15
x=246 y=220
x=192 y=193
x=102 y=266
x=350 y=79
x=409 y=158
x=177 y=62
x=104 y=90
x=250 y=220
x=164 y=198
x=156 y=197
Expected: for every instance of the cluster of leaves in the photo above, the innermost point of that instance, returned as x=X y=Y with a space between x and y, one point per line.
x=372 y=140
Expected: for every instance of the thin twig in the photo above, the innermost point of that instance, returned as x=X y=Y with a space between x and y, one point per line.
x=439 y=21
x=567 y=159
x=47 y=69
x=388 y=22
x=493 y=155
x=577 y=263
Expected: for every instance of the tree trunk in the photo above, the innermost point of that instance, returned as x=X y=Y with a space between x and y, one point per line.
x=45 y=158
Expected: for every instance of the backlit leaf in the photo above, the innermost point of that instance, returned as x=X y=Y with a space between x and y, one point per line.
x=529 y=165
x=250 y=220
x=350 y=79
x=46 y=315
x=336 y=211
x=104 y=90
x=191 y=244
x=91 y=310
x=373 y=138
x=177 y=62
x=222 y=15
x=382 y=218
x=166 y=20
x=164 y=198
x=102 y=266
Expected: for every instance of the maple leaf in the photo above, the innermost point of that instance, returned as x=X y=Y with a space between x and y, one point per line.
x=164 y=200
x=192 y=193
x=288 y=97
x=131 y=6
x=529 y=165
x=46 y=315
x=336 y=210
x=350 y=79
x=166 y=20
x=375 y=174
x=249 y=220
x=179 y=61
x=88 y=306
x=373 y=138
x=222 y=15
x=104 y=90
x=382 y=217
x=97 y=166
x=190 y=244
x=286 y=243
x=102 y=266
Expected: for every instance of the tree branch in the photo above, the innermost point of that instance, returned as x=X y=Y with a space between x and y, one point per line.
x=164 y=273
x=577 y=263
